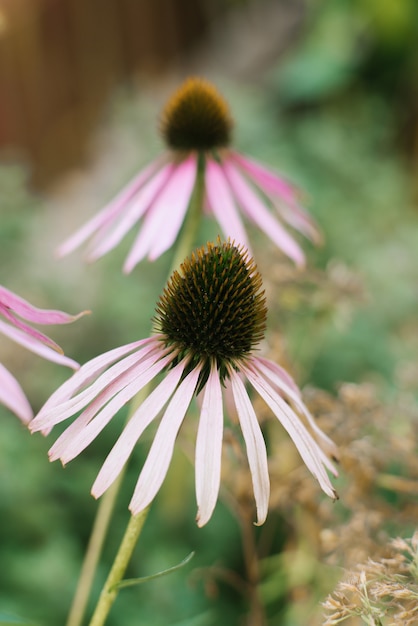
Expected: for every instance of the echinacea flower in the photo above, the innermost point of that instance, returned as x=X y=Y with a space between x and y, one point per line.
x=197 y=127
x=208 y=322
x=15 y=309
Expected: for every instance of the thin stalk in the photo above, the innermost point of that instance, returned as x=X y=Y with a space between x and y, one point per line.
x=257 y=615
x=97 y=537
x=117 y=572
x=93 y=552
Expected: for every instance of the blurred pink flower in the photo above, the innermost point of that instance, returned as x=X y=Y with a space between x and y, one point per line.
x=15 y=309
x=197 y=128
x=209 y=319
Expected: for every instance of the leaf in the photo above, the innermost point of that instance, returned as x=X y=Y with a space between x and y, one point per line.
x=12 y=620
x=131 y=582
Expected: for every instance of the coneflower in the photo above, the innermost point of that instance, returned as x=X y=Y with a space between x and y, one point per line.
x=197 y=128
x=208 y=322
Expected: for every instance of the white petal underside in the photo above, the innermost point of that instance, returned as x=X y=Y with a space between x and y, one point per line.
x=159 y=456
x=256 y=447
x=141 y=418
x=308 y=448
x=209 y=448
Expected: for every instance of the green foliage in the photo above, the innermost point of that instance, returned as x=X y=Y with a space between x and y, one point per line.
x=7 y=620
x=132 y=582
x=342 y=149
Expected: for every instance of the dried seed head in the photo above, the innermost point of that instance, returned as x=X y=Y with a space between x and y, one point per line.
x=196 y=118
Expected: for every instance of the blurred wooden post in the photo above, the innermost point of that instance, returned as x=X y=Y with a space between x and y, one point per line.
x=59 y=59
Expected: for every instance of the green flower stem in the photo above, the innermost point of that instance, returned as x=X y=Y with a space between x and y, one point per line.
x=110 y=590
x=97 y=537
x=117 y=572
x=93 y=552
x=187 y=236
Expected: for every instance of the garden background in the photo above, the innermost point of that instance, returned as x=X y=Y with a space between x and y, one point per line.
x=325 y=92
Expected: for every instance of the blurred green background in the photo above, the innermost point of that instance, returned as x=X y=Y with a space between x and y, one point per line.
x=325 y=92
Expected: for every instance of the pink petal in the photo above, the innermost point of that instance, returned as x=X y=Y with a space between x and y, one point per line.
x=270 y=183
x=109 y=212
x=28 y=330
x=209 y=448
x=278 y=372
x=267 y=180
x=268 y=370
x=55 y=414
x=222 y=203
x=27 y=311
x=257 y=211
x=163 y=220
x=92 y=421
x=34 y=333
x=172 y=206
x=159 y=456
x=255 y=445
x=132 y=213
x=139 y=421
x=32 y=344
x=309 y=450
x=12 y=396
x=84 y=376
x=296 y=217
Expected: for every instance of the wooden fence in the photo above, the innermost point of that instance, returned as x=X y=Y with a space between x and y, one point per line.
x=60 y=58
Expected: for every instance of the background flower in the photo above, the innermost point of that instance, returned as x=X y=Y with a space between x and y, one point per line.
x=197 y=127
x=15 y=310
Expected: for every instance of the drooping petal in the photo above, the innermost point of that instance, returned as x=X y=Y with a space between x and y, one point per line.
x=277 y=186
x=209 y=448
x=32 y=344
x=139 y=421
x=260 y=215
x=110 y=211
x=12 y=396
x=54 y=414
x=172 y=208
x=99 y=413
x=132 y=213
x=267 y=180
x=296 y=217
x=255 y=445
x=326 y=448
x=164 y=218
x=27 y=311
x=270 y=370
x=83 y=377
x=280 y=372
x=222 y=203
x=309 y=450
x=28 y=330
x=159 y=456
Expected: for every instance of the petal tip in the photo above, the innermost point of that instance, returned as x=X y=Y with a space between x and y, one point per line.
x=95 y=495
x=60 y=252
x=81 y=314
x=127 y=268
x=201 y=521
x=300 y=263
x=261 y=520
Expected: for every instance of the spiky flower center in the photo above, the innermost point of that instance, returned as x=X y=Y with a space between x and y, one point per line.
x=214 y=309
x=196 y=118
